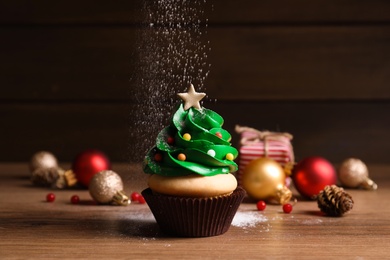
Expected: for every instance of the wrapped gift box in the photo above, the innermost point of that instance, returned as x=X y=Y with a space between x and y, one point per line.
x=256 y=144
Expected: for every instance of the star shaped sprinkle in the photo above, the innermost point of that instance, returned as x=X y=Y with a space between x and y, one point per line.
x=191 y=98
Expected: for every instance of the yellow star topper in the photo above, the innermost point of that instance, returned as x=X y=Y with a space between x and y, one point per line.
x=191 y=98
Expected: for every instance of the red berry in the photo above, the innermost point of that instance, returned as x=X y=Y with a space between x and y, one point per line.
x=218 y=134
x=287 y=208
x=261 y=205
x=135 y=196
x=141 y=200
x=75 y=199
x=50 y=197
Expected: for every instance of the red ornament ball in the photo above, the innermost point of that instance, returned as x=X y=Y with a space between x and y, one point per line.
x=261 y=205
x=287 y=208
x=50 y=197
x=88 y=163
x=75 y=199
x=312 y=174
x=218 y=134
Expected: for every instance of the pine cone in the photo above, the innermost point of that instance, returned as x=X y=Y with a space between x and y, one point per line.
x=334 y=201
x=46 y=177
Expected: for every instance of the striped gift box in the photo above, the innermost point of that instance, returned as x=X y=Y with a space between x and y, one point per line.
x=256 y=144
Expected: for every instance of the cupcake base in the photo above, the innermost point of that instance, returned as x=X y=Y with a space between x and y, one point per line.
x=193 y=217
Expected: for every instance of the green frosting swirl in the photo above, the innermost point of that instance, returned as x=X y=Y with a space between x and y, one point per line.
x=205 y=152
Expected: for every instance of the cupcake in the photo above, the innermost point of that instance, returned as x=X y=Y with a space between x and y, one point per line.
x=192 y=191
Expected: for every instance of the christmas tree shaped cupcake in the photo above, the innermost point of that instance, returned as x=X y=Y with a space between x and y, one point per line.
x=191 y=189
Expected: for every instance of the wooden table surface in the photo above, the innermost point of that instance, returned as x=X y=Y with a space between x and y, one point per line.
x=31 y=228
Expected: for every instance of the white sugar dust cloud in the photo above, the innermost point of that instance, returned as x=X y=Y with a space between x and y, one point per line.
x=172 y=53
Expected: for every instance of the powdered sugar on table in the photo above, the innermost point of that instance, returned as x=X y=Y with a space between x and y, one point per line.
x=248 y=219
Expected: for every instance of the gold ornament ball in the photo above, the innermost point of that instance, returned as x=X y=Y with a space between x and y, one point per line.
x=264 y=179
x=106 y=187
x=43 y=160
x=353 y=173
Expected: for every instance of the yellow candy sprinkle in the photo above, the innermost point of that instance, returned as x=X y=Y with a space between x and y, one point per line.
x=181 y=157
x=229 y=156
x=187 y=136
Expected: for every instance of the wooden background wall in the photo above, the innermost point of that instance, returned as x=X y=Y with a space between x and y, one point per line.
x=317 y=69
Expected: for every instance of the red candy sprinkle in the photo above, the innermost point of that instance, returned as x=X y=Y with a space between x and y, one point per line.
x=75 y=199
x=261 y=205
x=287 y=208
x=170 y=140
x=135 y=196
x=158 y=157
x=218 y=134
x=50 y=197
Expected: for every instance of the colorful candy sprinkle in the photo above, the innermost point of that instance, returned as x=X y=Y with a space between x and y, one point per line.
x=218 y=134
x=170 y=140
x=181 y=157
x=229 y=156
x=158 y=157
x=187 y=136
x=211 y=152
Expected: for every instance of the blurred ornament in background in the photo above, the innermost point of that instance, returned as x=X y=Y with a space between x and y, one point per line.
x=48 y=177
x=45 y=172
x=264 y=179
x=312 y=174
x=88 y=163
x=353 y=173
x=106 y=187
x=43 y=160
x=69 y=178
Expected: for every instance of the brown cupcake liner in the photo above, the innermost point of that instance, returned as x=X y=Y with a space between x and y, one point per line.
x=194 y=217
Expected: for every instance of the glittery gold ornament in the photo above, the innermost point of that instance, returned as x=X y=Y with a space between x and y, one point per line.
x=106 y=187
x=264 y=179
x=353 y=173
x=43 y=159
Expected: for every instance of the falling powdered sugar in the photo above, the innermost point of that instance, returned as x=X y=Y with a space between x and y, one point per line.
x=248 y=219
x=172 y=52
